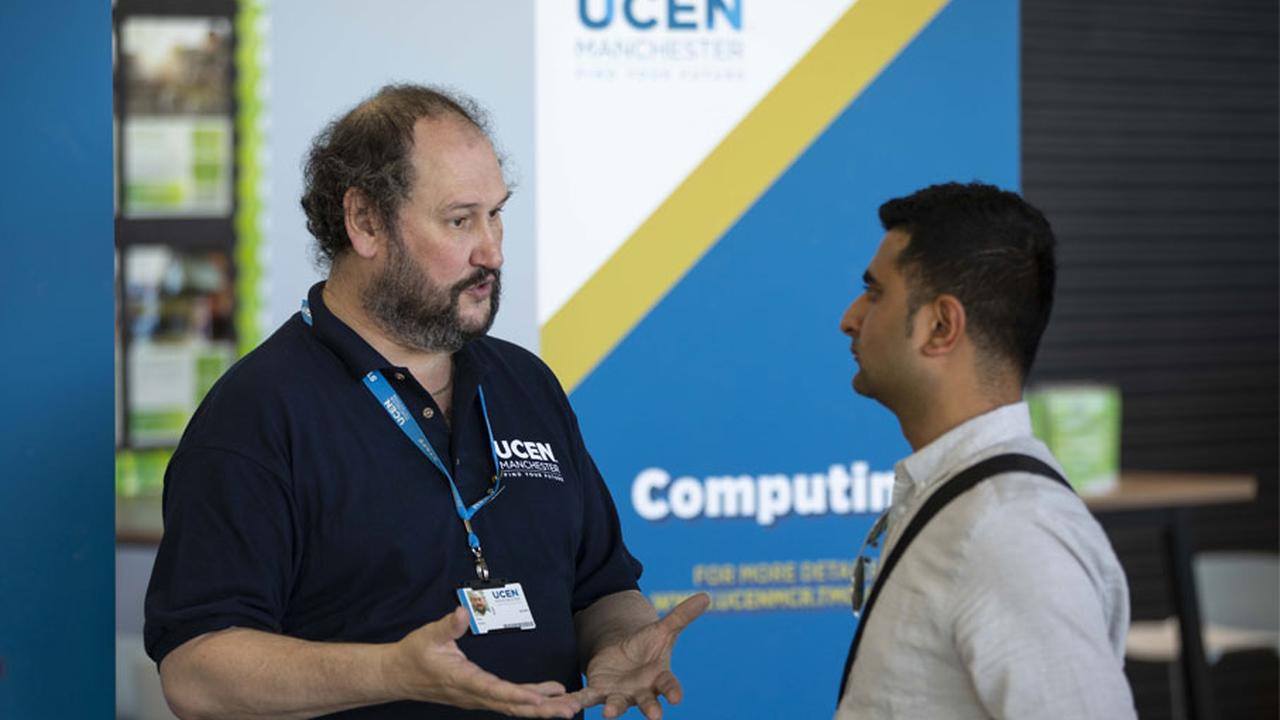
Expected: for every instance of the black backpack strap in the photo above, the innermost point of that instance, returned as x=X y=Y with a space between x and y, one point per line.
x=953 y=488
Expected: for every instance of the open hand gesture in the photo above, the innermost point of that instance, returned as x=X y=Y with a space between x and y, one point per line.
x=428 y=665
x=637 y=669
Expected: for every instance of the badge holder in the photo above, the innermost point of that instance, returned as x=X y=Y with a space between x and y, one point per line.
x=496 y=606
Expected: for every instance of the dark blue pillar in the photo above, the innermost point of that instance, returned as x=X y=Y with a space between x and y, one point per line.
x=56 y=358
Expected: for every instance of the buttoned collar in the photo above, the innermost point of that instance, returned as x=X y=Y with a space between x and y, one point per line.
x=360 y=358
x=920 y=472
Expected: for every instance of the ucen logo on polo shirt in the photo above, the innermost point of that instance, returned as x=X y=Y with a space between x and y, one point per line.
x=527 y=459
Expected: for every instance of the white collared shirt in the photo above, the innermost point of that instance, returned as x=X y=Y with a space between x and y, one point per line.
x=1010 y=603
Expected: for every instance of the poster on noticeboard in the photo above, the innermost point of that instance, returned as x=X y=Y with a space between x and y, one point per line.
x=177 y=123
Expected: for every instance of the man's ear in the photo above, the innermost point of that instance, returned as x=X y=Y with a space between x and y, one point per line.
x=363 y=224
x=946 y=320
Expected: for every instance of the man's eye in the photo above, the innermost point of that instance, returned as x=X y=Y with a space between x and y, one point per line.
x=495 y=212
x=458 y=222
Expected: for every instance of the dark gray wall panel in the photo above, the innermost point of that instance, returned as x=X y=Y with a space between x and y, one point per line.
x=1150 y=139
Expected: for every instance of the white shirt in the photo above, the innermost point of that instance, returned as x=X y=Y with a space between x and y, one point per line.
x=1010 y=603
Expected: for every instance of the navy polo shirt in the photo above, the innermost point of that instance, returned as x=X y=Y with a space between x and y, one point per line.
x=294 y=505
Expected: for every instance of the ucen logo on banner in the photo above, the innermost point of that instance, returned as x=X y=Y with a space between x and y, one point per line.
x=661 y=14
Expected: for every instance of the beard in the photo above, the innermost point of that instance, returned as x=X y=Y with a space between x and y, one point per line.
x=416 y=312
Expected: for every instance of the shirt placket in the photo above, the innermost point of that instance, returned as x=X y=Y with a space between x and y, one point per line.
x=425 y=411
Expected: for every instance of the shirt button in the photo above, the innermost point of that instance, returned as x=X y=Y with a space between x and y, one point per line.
x=428 y=413
x=400 y=377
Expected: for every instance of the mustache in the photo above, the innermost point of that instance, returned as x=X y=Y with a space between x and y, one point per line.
x=479 y=277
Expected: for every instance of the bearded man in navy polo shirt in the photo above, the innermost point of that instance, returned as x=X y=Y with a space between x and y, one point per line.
x=380 y=459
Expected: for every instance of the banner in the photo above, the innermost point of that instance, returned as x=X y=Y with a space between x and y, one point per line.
x=708 y=174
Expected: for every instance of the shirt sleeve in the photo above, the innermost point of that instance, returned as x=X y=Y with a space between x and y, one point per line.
x=227 y=555
x=1031 y=624
x=603 y=565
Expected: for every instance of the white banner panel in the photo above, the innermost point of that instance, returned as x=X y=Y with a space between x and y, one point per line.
x=631 y=96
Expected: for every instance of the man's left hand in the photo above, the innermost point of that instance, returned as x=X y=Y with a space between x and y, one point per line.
x=637 y=669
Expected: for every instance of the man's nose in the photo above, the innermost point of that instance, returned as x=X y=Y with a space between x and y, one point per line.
x=851 y=321
x=488 y=252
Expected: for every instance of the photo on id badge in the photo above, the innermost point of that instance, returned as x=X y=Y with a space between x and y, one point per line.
x=496 y=607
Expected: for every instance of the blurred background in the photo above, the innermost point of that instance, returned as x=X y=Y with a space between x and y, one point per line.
x=1149 y=137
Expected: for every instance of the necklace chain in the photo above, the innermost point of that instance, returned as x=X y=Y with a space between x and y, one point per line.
x=444 y=387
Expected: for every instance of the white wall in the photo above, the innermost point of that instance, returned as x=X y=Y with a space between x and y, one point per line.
x=325 y=56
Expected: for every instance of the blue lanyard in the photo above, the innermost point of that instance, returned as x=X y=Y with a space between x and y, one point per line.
x=390 y=401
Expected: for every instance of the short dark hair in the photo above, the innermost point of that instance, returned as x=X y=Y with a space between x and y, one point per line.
x=990 y=249
x=369 y=148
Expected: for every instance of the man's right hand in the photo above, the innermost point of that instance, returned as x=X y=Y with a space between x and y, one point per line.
x=428 y=665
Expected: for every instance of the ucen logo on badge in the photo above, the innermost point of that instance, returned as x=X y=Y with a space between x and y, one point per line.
x=526 y=458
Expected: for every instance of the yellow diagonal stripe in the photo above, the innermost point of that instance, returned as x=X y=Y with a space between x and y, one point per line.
x=750 y=158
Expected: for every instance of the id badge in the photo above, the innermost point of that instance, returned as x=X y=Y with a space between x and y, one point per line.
x=496 y=606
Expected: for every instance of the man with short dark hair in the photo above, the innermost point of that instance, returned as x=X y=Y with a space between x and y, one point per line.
x=998 y=594
x=340 y=500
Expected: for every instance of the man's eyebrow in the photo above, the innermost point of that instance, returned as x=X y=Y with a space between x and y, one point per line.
x=472 y=205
